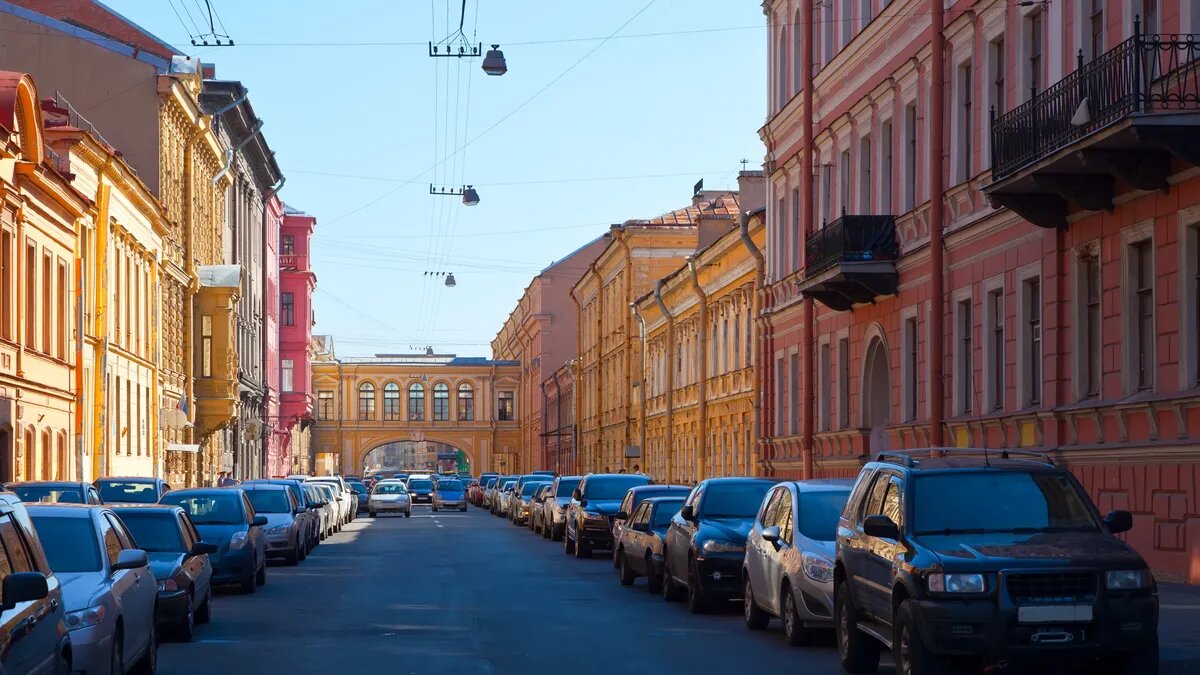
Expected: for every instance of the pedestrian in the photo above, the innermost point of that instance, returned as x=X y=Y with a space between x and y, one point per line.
x=622 y=470
x=637 y=468
x=607 y=470
x=226 y=480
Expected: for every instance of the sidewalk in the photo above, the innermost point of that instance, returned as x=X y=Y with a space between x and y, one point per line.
x=1179 y=629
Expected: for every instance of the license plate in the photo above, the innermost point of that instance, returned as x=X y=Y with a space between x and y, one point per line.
x=1055 y=614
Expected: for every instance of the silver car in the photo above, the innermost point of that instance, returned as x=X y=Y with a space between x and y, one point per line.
x=284 y=530
x=109 y=590
x=788 y=568
x=325 y=496
x=389 y=496
x=346 y=502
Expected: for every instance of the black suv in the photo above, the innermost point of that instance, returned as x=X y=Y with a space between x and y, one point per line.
x=992 y=555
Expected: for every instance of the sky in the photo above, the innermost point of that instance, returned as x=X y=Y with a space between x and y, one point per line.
x=580 y=133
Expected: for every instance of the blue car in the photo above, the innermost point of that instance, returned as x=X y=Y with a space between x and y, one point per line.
x=225 y=517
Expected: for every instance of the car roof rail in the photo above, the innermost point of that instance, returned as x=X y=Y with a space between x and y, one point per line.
x=1003 y=453
x=904 y=458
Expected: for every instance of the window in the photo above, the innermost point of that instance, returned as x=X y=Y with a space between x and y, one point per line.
x=31 y=296
x=864 y=175
x=780 y=397
x=288 y=245
x=911 y=379
x=8 y=285
x=910 y=157
x=845 y=20
x=466 y=402
x=47 y=316
x=1149 y=14
x=966 y=124
x=864 y=13
x=505 y=412
x=366 y=401
x=966 y=386
x=325 y=404
x=998 y=70
x=885 y=168
x=288 y=375
x=827 y=30
x=844 y=383
x=1034 y=35
x=826 y=193
x=441 y=402
x=1142 y=271
x=61 y=311
x=288 y=308
x=781 y=65
x=1032 y=358
x=826 y=376
x=797 y=52
x=1096 y=26
x=416 y=402
x=391 y=402
x=206 y=346
x=1090 y=267
x=844 y=182
x=792 y=254
x=995 y=349
x=1195 y=237
x=795 y=393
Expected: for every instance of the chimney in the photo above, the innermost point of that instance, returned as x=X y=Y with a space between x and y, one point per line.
x=752 y=185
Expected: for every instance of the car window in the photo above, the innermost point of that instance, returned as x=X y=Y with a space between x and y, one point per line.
x=127 y=539
x=565 y=487
x=694 y=496
x=128 y=491
x=873 y=505
x=858 y=492
x=1000 y=501
x=816 y=513
x=665 y=511
x=639 y=514
x=891 y=502
x=112 y=543
x=733 y=499
x=611 y=487
x=270 y=501
x=48 y=495
x=213 y=508
x=18 y=553
x=6 y=567
x=783 y=516
x=248 y=508
x=156 y=531
x=185 y=530
x=627 y=503
x=191 y=528
x=769 y=513
x=94 y=496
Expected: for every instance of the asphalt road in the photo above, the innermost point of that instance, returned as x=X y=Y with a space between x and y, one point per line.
x=469 y=593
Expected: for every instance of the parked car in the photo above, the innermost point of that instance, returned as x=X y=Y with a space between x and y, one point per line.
x=131 y=490
x=309 y=514
x=56 y=492
x=449 y=493
x=504 y=492
x=521 y=503
x=996 y=555
x=486 y=492
x=225 y=517
x=360 y=490
x=551 y=474
x=706 y=542
x=400 y=476
x=389 y=497
x=640 y=551
x=476 y=492
x=554 y=509
x=33 y=633
x=494 y=493
x=284 y=530
x=420 y=489
x=109 y=592
x=322 y=497
x=593 y=506
x=632 y=499
x=179 y=561
x=346 y=501
x=538 y=511
x=788 y=568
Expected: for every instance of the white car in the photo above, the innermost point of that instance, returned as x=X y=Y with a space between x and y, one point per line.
x=389 y=496
x=346 y=502
x=109 y=590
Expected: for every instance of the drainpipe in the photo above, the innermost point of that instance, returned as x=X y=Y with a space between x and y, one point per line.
x=937 y=286
x=759 y=265
x=662 y=307
x=807 y=172
x=232 y=152
x=628 y=361
x=702 y=392
x=100 y=373
x=80 y=295
x=642 y=384
x=189 y=314
x=577 y=401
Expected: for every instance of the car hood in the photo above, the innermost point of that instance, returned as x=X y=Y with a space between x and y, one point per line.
x=725 y=529
x=998 y=550
x=605 y=507
x=392 y=497
x=79 y=588
x=165 y=564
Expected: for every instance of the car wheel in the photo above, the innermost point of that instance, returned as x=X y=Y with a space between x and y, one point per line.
x=186 y=629
x=756 y=618
x=627 y=574
x=793 y=627
x=434 y=509
x=117 y=662
x=697 y=602
x=408 y=513
x=858 y=652
x=909 y=651
x=670 y=591
x=370 y=514
x=62 y=664
x=653 y=581
x=464 y=508
x=248 y=587
x=148 y=664
x=260 y=577
x=582 y=549
x=293 y=558
x=204 y=613
x=567 y=547
x=1142 y=661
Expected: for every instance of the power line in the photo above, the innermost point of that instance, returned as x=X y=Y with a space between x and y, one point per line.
x=544 y=181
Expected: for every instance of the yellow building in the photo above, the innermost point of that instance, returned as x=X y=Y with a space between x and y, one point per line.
x=439 y=402
x=699 y=378
x=38 y=222
x=638 y=253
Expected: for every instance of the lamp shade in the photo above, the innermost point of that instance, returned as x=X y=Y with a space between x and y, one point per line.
x=470 y=196
x=450 y=280
x=494 y=63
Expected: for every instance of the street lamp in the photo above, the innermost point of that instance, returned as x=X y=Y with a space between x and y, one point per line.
x=470 y=197
x=494 y=63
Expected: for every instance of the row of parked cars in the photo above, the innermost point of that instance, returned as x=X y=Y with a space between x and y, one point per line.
x=93 y=575
x=995 y=558
x=397 y=493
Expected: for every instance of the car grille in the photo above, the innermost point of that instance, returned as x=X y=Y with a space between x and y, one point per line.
x=1050 y=589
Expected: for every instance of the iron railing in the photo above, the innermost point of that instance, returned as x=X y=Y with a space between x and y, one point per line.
x=852 y=239
x=1144 y=74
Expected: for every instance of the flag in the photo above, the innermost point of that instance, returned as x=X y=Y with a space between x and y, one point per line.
x=182 y=405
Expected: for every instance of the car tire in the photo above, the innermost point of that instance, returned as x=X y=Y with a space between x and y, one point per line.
x=670 y=591
x=248 y=586
x=627 y=574
x=697 y=602
x=568 y=548
x=793 y=627
x=370 y=514
x=1143 y=661
x=62 y=664
x=117 y=660
x=582 y=549
x=464 y=508
x=756 y=618
x=204 y=613
x=293 y=558
x=260 y=577
x=909 y=651
x=434 y=508
x=148 y=664
x=653 y=581
x=859 y=653
x=408 y=513
x=302 y=553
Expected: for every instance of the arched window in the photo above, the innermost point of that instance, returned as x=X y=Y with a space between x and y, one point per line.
x=366 y=401
x=48 y=456
x=60 y=469
x=797 y=53
x=391 y=401
x=30 y=454
x=781 y=74
x=441 y=402
x=416 y=402
x=466 y=402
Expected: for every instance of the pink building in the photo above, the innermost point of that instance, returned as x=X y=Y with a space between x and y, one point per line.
x=985 y=231
x=296 y=285
x=277 y=463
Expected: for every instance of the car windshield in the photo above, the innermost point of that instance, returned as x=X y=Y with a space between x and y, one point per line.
x=269 y=501
x=420 y=484
x=209 y=509
x=154 y=532
x=643 y=495
x=70 y=543
x=129 y=492
x=390 y=489
x=508 y=483
x=48 y=495
x=450 y=486
x=611 y=487
x=819 y=513
x=530 y=488
x=490 y=482
x=733 y=500
x=357 y=485
x=999 y=501
x=663 y=513
x=566 y=487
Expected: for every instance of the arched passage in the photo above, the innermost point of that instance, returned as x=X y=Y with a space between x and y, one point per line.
x=876 y=394
x=425 y=456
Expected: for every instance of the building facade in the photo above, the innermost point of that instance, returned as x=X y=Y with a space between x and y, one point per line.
x=297 y=282
x=277 y=464
x=540 y=333
x=950 y=275
x=558 y=420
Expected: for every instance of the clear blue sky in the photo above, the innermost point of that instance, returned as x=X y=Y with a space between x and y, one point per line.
x=668 y=110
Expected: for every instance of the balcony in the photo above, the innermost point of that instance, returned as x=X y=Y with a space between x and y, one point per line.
x=1128 y=119
x=851 y=261
x=293 y=263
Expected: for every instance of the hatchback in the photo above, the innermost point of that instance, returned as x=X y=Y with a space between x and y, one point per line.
x=284 y=529
x=389 y=497
x=226 y=517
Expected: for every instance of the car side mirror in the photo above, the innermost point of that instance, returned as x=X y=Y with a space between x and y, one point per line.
x=771 y=534
x=202 y=548
x=131 y=559
x=880 y=526
x=621 y=515
x=23 y=587
x=298 y=510
x=577 y=495
x=1118 y=521
x=259 y=521
x=688 y=512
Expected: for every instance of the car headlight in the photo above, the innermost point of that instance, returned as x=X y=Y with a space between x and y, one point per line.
x=940 y=582
x=818 y=568
x=82 y=618
x=237 y=541
x=1126 y=580
x=278 y=529
x=167 y=585
x=588 y=515
x=718 y=546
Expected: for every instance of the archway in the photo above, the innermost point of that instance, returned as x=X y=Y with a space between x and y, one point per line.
x=876 y=394
x=412 y=456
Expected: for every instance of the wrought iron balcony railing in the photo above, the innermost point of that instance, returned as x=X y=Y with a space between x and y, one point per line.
x=852 y=239
x=1144 y=74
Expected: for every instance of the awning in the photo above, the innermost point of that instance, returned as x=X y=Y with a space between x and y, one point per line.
x=182 y=447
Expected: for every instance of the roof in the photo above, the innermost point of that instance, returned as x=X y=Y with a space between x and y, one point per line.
x=45 y=483
x=823 y=484
x=220 y=276
x=102 y=20
x=63 y=509
x=967 y=458
x=738 y=479
x=145 y=507
x=711 y=203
